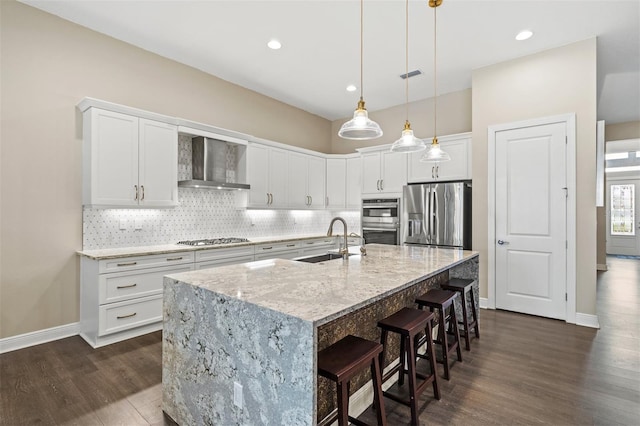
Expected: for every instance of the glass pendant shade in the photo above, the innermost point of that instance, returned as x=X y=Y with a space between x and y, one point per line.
x=435 y=154
x=360 y=127
x=408 y=142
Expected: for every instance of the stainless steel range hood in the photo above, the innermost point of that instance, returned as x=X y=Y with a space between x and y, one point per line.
x=216 y=164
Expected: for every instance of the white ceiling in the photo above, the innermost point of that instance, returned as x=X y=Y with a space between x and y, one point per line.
x=320 y=38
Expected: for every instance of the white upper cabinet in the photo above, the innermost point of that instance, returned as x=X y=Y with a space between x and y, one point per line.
x=354 y=183
x=128 y=161
x=306 y=181
x=383 y=172
x=336 y=183
x=458 y=168
x=267 y=174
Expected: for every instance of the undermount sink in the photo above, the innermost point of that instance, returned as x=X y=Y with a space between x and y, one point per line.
x=319 y=258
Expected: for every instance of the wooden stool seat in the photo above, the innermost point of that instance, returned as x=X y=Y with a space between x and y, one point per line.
x=442 y=300
x=464 y=286
x=340 y=362
x=409 y=323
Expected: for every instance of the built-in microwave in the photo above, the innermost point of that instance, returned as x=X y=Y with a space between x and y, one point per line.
x=381 y=221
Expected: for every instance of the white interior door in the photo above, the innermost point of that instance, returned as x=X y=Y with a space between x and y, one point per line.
x=530 y=215
x=623 y=223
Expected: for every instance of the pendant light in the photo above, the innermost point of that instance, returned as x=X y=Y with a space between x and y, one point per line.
x=360 y=127
x=407 y=142
x=435 y=154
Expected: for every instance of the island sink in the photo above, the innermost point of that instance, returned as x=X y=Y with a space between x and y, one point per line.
x=320 y=257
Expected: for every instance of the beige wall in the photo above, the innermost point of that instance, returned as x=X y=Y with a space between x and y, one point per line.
x=48 y=65
x=454 y=116
x=612 y=132
x=557 y=81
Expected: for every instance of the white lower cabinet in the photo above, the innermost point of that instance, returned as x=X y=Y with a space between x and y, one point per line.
x=318 y=246
x=122 y=298
x=281 y=250
x=224 y=256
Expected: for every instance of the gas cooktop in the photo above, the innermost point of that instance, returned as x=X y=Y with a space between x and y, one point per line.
x=213 y=241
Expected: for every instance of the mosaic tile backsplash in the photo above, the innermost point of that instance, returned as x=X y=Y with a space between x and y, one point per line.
x=201 y=214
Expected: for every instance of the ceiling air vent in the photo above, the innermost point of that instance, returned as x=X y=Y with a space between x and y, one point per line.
x=410 y=74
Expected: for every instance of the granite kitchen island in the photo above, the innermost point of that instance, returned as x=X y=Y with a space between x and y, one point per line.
x=256 y=328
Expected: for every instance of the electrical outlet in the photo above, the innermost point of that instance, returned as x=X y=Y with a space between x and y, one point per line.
x=138 y=224
x=123 y=224
x=237 y=394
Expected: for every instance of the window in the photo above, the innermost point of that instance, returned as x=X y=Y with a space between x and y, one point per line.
x=622 y=209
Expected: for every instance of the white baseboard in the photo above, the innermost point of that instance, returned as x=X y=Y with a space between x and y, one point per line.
x=20 y=341
x=484 y=303
x=587 y=320
x=602 y=267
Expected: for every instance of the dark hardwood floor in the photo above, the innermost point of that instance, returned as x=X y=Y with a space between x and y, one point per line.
x=523 y=370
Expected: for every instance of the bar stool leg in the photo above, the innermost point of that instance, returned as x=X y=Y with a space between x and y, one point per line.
x=411 y=361
x=431 y=353
x=402 y=362
x=475 y=315
x=343 y=404
x=378 y=405
x=456 y=333
x=465 y=320
x=444 y=342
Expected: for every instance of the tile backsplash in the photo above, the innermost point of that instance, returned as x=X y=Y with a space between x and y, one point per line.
x=200 y=214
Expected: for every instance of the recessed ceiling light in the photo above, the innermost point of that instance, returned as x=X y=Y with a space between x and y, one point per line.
x=524 y=35
x=274 y=44
x=351 y=88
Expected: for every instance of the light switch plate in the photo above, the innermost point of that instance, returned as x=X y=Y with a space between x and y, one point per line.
x=138 y=224
x=123 y=224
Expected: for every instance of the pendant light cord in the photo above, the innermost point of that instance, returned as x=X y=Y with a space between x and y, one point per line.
x=435 y=76
x=361 y=46
x=406 y=65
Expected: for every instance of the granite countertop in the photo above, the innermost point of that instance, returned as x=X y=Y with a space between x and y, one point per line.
x=321 y=292
x=114 y=253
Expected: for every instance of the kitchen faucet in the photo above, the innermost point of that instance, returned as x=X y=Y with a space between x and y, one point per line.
x=344 y=251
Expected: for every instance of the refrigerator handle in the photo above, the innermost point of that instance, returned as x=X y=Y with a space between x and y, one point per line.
x=430 y=218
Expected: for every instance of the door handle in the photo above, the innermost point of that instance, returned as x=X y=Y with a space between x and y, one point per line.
x=502 y=242
x=381 y=184
x=378 y=184
x=135 y=187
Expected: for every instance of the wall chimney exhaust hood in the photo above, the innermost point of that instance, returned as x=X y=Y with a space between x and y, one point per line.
x=216 y=164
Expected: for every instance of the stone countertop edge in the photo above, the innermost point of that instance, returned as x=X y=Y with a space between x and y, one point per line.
x=115 y=253
x=364 y=303
x=317 y=321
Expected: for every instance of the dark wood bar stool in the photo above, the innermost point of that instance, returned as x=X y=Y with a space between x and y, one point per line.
x=409 y=323
x=464 y=286
x=343 y=360
x=442 y=300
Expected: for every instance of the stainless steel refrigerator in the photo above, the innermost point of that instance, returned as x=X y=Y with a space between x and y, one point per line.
x=437 y=214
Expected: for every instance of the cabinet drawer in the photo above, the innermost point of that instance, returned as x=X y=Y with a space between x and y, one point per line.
x=320 y=242
x=223 y=262
x=120 y=316
x=141 y=262
x=276 y=247
x=224 y=253
x=120 y=286
x=282 y=254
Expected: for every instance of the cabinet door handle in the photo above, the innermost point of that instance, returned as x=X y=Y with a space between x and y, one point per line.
x=378 y=184
x=271 y=198
x=142 y=188
x=267 y=248
x=127 y=264
x=135 y=187
x=381 y=184
x=126 y=286
x=432 y=172
x=171 y=259
x=126 y=316
x=310 y=200
x=291 y=245
x=268 y=198
x=437 y=171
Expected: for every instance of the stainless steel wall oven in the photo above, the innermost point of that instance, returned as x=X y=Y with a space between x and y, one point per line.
x=381 y=221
